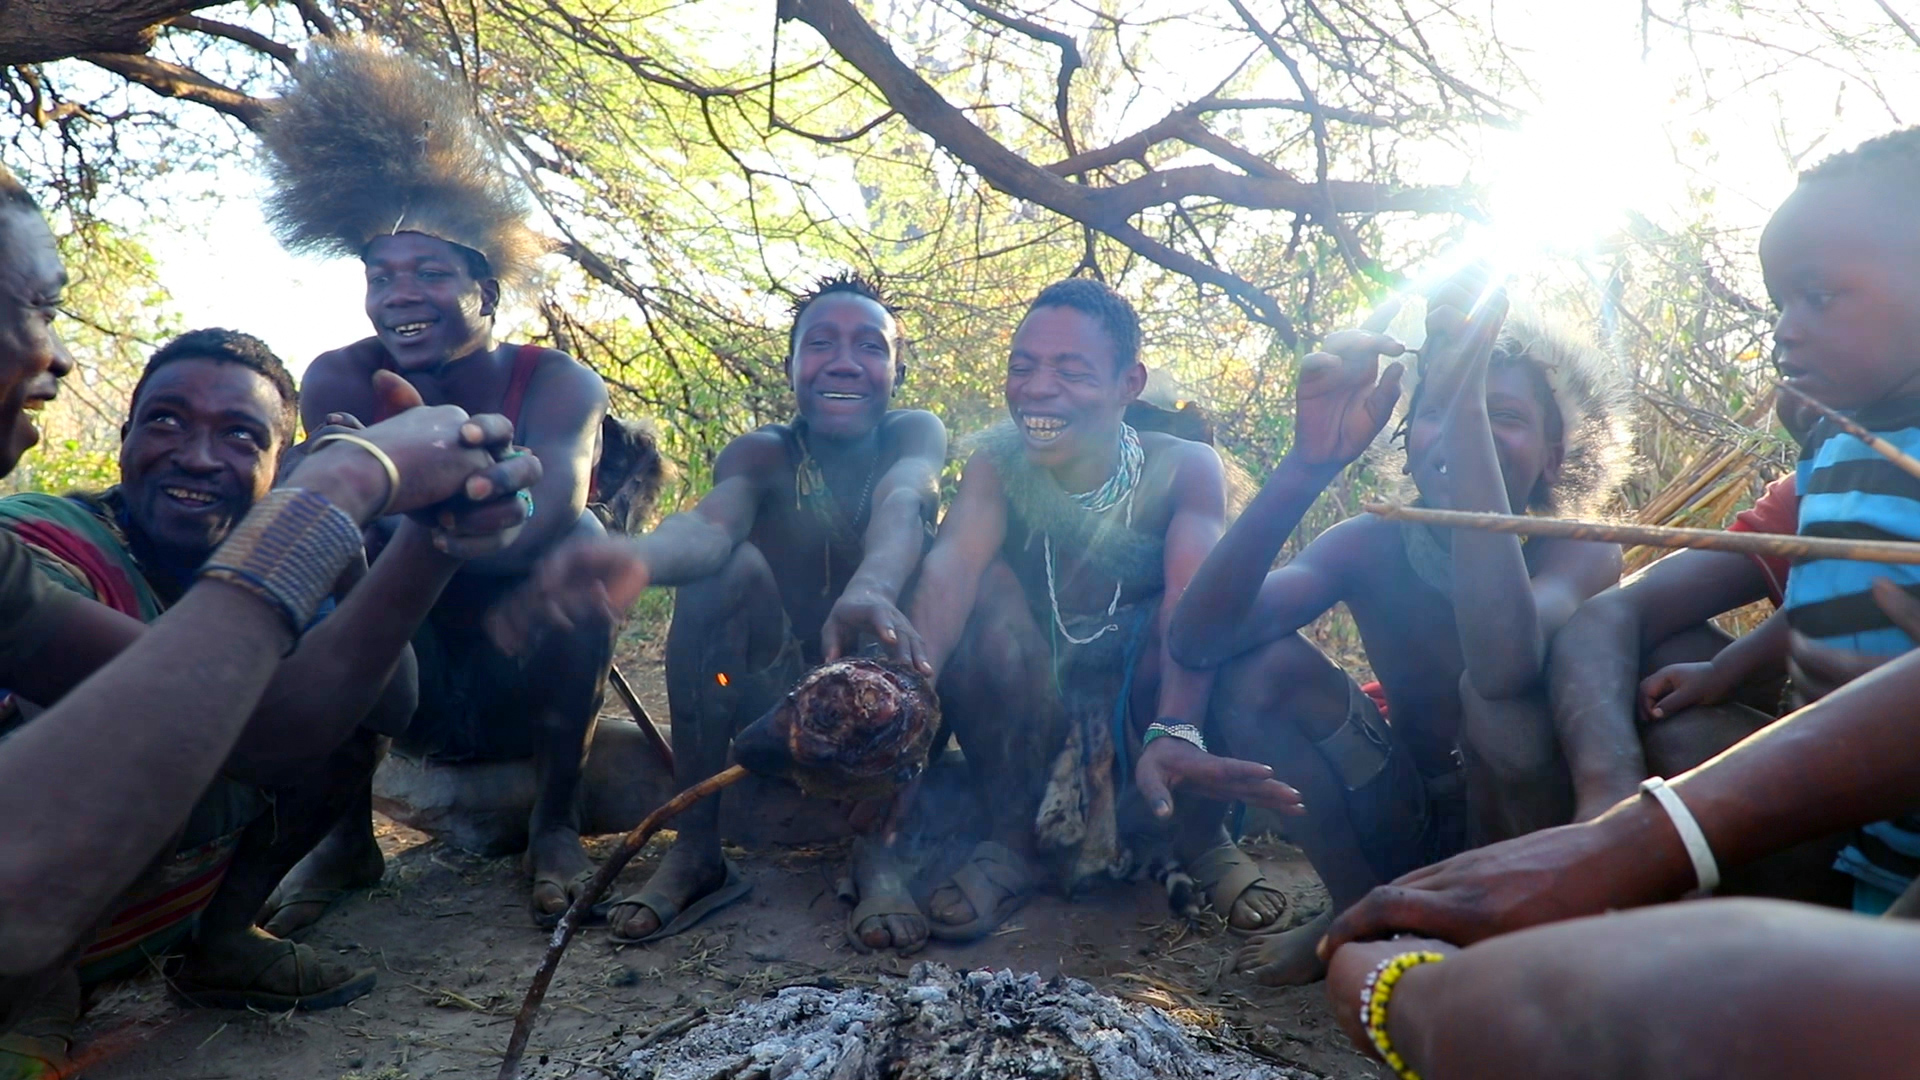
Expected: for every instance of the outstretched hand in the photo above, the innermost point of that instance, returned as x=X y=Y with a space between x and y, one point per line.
x=1678 y=687
x=1168 y=763
x=579 y=580
x=1541 y=877
x=1342 y=399
x=1464 y=317
x=860 y=611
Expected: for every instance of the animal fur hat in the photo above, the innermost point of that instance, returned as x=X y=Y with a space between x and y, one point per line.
x=369 y=142
x=1593 y=394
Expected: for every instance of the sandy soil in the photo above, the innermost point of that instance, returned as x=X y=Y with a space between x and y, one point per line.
x=451 y=940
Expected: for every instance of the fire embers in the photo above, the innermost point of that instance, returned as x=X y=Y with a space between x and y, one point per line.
x=853 y=729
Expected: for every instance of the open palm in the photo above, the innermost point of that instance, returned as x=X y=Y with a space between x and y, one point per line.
x=1343 y=399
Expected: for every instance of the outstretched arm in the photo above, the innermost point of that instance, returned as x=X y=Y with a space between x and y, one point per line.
x=905 y=501
x=1342 y=401
x=96 y=785
x=1750 y=988
x=970 y=537
x=1597 y=661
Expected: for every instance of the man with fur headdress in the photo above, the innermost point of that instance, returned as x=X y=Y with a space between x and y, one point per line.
x=1043 y=605
x=1456 y=627
x=373 y=156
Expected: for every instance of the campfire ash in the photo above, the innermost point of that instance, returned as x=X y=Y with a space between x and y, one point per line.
x=938 y=1024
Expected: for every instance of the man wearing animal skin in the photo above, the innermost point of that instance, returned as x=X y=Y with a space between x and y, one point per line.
x=441 y=234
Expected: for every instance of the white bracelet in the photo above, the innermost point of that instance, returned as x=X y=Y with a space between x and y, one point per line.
x=1705 y=870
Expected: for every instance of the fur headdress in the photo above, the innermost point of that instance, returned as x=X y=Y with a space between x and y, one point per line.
x=368 y=142
x=1594 y=397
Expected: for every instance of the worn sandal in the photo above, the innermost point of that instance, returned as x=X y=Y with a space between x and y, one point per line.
x=995 y=881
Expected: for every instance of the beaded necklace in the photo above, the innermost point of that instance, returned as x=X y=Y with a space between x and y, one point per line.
x=1118 y=489
x=811 y=492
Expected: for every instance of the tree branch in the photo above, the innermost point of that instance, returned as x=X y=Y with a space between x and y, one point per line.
x=39 y=31
x=252 y=39
x=317 y=18
x=1069 y=59
x=172 y=80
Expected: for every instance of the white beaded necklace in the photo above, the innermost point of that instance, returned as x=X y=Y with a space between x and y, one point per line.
x=1118 y=489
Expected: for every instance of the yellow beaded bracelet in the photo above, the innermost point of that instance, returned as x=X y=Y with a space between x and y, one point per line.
x=1373 y=1005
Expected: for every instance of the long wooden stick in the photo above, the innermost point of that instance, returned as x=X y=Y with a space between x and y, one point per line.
x=1847 y=424
x=639 y=714
x=569 y=924
x=1775 y=545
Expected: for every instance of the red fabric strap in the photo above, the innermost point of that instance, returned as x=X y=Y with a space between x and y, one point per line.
x=524 y=362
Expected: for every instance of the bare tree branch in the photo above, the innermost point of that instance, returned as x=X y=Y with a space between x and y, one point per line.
x=1069 y=59
x=172 y=80
x=252 y=39
x=1905 y=26
x=317 y=17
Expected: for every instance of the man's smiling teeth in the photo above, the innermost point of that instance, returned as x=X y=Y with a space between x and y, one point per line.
x=412 y=329
x=188 y=495
x=835 y=395
x=1043 y=428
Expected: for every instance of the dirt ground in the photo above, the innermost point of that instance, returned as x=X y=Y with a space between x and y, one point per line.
x=450 y=938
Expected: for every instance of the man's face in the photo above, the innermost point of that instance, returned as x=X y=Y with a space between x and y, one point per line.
x=1529 y=455
x=1062 y=387
x=199 y=450
x=843 y=364
x=1841 y=259
x=32 y=357
x=424 y=303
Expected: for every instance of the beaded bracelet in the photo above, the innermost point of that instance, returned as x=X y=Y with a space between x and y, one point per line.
x=288 y=551
x=1186 y=733
x=1373 y=1005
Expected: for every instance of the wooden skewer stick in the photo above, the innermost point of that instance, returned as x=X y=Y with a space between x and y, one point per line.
x=1775 y=545
x=639 y=714
x=569 y=924
x=1847 y=424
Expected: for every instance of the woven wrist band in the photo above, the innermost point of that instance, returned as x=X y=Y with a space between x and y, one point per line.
x=288 y=551
x=1374 y=996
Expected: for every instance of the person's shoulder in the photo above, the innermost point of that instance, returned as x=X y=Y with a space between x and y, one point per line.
x=1360 y=538
x=757 y=451
x=913 y=431
x=360 y=358
x=1177 y=451
x=897 y=420
x=558 y=370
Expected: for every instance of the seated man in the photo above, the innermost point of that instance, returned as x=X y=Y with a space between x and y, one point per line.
x=437 y=249
x=1841 y=258
x=802 y=547
x=1044 y=605
x=1497 y=421
x=210 y=418
x=142 y=723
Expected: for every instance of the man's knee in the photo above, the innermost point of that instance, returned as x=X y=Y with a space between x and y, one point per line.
x=1511 y=739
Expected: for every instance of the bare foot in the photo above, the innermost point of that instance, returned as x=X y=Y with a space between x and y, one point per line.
x=689 y=871
x=1287 y=958
x=886 y=917
x=560 y=868
x=1257 y=908
x=348 y=858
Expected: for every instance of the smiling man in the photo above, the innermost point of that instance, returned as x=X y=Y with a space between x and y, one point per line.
x=211 y=416
x=375 y=157
x=1044 y=607
x=802 y=548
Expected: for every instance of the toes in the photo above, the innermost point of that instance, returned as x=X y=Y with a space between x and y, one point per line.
x=633 y=920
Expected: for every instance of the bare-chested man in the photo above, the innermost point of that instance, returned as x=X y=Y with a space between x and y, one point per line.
x=439 y=230
x=803 y=546
x=1044 y=604
x=1496 y=423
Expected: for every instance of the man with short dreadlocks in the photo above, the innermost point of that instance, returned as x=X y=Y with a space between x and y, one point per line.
x=800 y=550
x=374 y=156
x=1504 y=417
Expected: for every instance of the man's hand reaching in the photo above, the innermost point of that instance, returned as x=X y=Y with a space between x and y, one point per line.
x=1169 y=763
